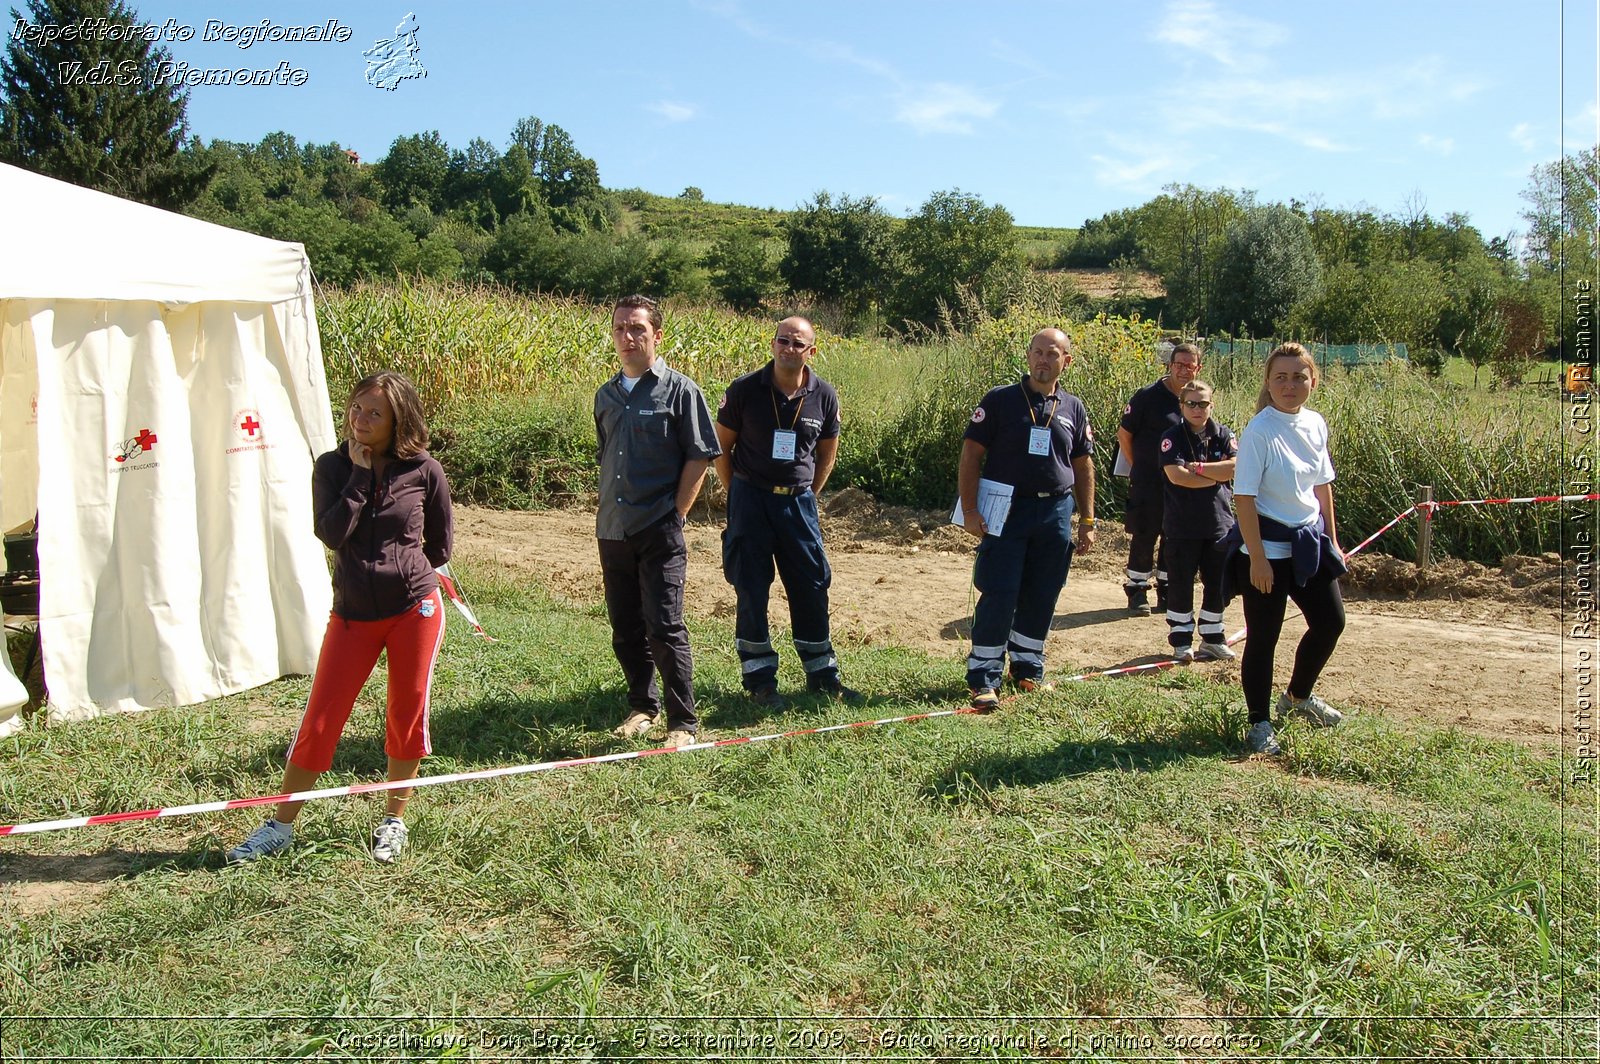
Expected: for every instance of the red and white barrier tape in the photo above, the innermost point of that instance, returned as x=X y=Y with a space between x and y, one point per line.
x=454 y=777
x=1531 y=498
x=453 y=593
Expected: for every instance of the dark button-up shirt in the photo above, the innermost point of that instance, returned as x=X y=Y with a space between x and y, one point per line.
x=1002 y=423
x=646 y=436
x=1150 y=412
x=755 y=409
x=387 y=533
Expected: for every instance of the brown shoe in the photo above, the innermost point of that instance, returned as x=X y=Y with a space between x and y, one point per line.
x=1028 y=686
x=769 y=698
x=985 y=699
x=634 y=726
x=677 y=738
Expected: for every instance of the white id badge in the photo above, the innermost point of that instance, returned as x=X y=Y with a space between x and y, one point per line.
x=1039 y=440
x=783 y=445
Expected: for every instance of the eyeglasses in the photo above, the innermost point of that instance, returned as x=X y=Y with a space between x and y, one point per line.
x=1196 y=404
x=791 y=341
x=1186 y=365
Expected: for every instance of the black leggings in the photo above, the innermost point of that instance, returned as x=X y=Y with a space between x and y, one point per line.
x=1319 y=600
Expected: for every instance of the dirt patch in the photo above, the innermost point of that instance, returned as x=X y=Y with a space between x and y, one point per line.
x=1460 y=645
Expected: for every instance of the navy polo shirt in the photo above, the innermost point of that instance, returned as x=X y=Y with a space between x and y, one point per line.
x=1197 y=513
x=1001 y=423
x=1150 y=412
x=755 y=409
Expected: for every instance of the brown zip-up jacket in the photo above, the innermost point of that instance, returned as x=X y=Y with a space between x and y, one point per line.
x=387 y=538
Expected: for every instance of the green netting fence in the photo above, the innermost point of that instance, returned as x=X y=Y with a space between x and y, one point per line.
x=1248 y=351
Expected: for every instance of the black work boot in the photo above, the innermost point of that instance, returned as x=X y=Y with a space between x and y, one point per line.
x=1138 y=598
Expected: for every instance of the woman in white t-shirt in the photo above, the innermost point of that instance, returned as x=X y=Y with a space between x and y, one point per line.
x=1283 y=495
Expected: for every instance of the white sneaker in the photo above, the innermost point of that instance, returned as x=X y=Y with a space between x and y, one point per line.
x=1310 y=708
x=1262 y=739
x=266 y=840
x=1214 y=652
x=389 y=840
x=1183 y=655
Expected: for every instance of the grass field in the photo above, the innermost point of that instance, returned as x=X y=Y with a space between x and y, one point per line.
x=1100 y=859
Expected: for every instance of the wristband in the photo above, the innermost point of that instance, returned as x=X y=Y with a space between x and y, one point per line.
x=1085 y=522
x=1199 y=469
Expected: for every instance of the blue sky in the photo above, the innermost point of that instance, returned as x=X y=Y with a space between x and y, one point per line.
x=1060 y=111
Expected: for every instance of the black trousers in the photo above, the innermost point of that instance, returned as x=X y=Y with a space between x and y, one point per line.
x=1323 y=606
x=644 y=577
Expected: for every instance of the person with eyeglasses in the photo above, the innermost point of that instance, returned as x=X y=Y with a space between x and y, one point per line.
x=778 y=428
x=1151 y=412
x=656 y=441
x=1197 y=458
x=1033 y=440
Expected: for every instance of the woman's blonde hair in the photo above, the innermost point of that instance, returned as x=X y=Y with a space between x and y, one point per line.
x=410 y=430
x=1288 y=350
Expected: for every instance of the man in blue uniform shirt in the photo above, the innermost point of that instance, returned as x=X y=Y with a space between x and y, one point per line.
x=779 y=432
x=1036 y=439
x=1150 y=413
x=656 y=440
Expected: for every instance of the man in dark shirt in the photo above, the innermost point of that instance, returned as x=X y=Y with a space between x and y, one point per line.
x=1035 y=439
x=1151 y=411
x=656 y=440
x=779 y=432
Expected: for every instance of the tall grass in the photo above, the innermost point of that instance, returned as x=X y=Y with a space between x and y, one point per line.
x=509 y=379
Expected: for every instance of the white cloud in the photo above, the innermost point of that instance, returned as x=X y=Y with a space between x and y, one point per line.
x=937 y=107
x=1522 y=136
x=942 y=108
x=1232 y=40
x=1442 y=145
x=672 y=111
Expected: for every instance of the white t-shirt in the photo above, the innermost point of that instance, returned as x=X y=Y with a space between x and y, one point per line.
x=1282 y=459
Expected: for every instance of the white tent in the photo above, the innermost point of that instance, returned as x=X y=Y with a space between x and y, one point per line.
x=161 y=401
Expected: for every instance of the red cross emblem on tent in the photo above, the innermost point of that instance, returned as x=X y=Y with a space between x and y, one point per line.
x=247 y=426
x=145 y=441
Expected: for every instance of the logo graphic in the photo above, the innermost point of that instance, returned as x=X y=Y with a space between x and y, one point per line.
x=425 y=607
x=140 y=444
x=978 y=415
x=395 y=60
x=247 y=426
x=1166 y=445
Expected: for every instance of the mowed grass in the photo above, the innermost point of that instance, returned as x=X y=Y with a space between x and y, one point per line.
x=1093 y=872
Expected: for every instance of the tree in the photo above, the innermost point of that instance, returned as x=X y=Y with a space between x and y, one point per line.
x=692 y=194
x=1268 y=265
x=1483 y=330
x=957 y=255
x=569 y=181
x=1181 y=232
x=741 y=270
x=94 y=110
x=415 y=171
x=839 y=251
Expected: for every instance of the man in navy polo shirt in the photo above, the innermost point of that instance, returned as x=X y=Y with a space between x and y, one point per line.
x=1035 y=439
x=1150 y=413
x=779 y=432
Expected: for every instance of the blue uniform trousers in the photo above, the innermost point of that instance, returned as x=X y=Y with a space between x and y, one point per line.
x=764 y=528
x=1019 y=575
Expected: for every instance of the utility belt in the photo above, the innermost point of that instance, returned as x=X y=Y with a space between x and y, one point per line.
x=774 y=489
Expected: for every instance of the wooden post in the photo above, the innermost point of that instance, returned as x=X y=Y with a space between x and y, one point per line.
x=1425 y=535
